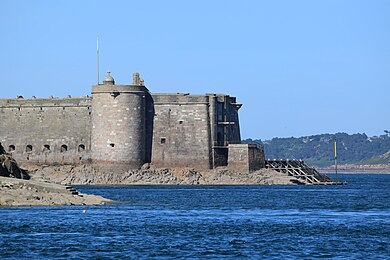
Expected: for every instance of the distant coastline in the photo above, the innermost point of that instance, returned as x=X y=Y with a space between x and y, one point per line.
x=358 y=169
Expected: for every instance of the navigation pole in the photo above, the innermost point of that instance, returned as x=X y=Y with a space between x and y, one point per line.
x=97 y=58
x=335 y=158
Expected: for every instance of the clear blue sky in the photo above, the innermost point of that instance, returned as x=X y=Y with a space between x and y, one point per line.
x=299 y=67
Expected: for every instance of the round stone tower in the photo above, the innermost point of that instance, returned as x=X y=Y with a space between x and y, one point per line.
x=118 y=123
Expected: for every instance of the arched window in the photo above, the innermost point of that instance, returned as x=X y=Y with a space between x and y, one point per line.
x=29 y=148
x=46 y=148
x=11 y=148
x=64 y=148
x=81 y=148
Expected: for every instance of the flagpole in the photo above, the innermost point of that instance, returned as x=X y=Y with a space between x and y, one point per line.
x=97 y=58
x=335 y=159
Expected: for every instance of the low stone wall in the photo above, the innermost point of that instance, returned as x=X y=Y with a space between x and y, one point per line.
x=245 y=157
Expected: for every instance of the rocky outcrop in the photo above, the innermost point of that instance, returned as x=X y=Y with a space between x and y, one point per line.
x=16 y=192
x=9 y=167
x=90 y=175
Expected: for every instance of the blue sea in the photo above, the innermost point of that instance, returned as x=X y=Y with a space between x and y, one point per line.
x=199 y=222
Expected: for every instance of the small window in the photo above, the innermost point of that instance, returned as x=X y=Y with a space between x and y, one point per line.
x=64 y=148
x=29 y=148
x=163 y=140
x=11 y=148
x=81 y=148
x=112 y=145
x=180 y=122
x=46 y=148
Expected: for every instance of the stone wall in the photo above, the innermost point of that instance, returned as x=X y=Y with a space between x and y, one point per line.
x=256 y=158
x=118 y=124
x=181 y=132
x=245 y=157
x=122 y=124
x=46 y=130
x=224 y=126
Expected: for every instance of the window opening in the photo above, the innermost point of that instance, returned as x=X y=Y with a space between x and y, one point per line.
x=29 y=148
x=81 y=148
x=11 y=148
x=64 y=148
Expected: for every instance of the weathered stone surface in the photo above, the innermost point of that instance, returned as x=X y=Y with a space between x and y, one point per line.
x=121 y=123
x=17 y=192
x=245 y=156
x=118 y=124
x=14 y=191
x=88 y=175
x=58 y=130
x=9 y=167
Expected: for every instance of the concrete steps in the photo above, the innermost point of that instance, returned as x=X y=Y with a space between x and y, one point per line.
x=72 y=190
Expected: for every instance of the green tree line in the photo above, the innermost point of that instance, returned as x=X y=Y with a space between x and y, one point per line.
x=317 y=150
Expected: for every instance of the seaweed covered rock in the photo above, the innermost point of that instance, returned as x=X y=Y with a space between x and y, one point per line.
x=9 y=167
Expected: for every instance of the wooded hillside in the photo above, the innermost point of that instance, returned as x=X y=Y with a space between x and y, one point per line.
x=317 y=150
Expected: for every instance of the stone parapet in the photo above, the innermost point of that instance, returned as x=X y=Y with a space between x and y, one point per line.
x=118 y=88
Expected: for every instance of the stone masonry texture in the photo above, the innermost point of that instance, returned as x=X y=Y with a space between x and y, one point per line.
x=126 y=124
x=46 y=131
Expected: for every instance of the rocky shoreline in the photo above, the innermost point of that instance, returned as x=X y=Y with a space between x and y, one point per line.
x=90 y=175
x=38 y=185
x=49 y=185
x=18 y=192
x=17 y=188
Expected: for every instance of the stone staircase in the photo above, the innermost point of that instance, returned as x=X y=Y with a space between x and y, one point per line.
x=73 y=191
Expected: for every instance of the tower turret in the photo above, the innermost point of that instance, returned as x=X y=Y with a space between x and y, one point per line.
x=108 y=79
x=118 y=123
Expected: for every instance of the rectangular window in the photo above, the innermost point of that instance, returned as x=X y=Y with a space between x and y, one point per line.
x=163 y=140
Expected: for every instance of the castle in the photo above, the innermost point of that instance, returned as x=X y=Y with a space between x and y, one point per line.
x=128 y=125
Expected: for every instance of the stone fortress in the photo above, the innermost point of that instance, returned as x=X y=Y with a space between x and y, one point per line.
x=129 y=126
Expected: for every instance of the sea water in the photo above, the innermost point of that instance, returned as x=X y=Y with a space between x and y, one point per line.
x=351 y=221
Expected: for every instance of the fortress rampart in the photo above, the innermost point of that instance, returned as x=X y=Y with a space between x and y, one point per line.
x=126 y=124
x=47 y=131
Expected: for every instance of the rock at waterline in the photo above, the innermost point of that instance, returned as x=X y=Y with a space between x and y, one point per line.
x=17 y=192
x=9 y=167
